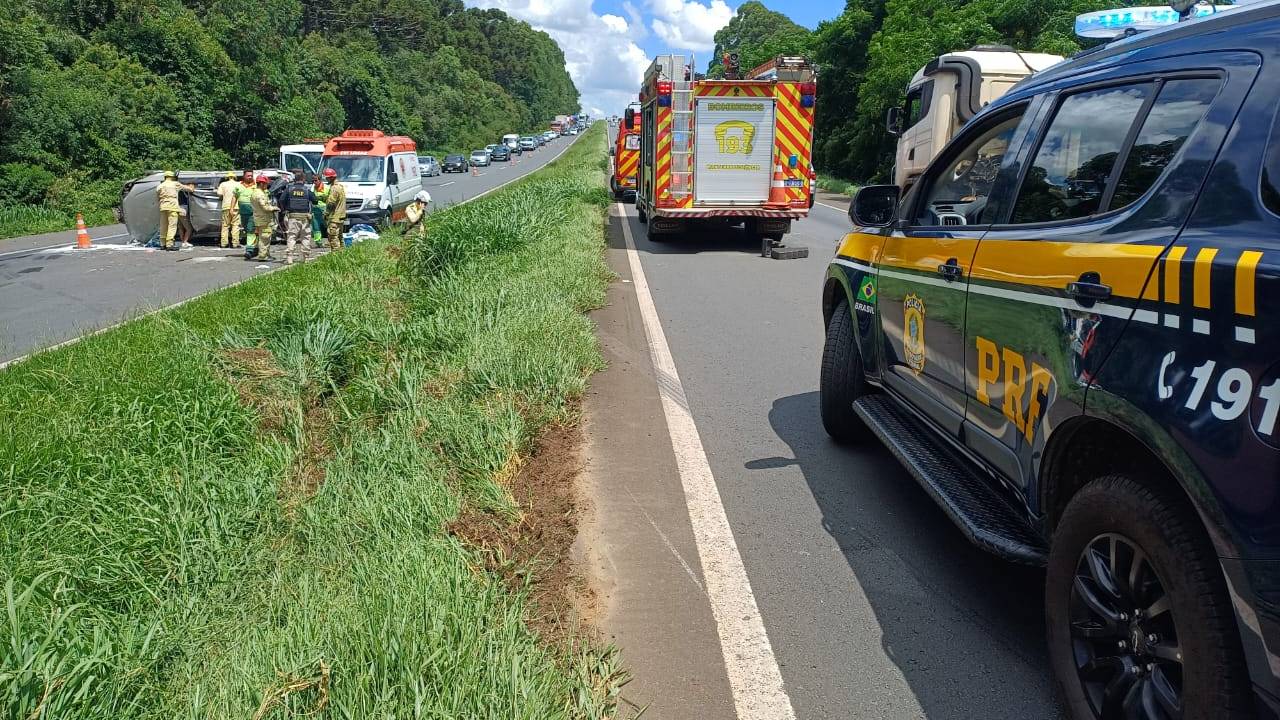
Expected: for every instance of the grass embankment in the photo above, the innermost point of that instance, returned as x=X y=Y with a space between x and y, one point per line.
x=19 y=220
x=241 y=508
x=836 y=185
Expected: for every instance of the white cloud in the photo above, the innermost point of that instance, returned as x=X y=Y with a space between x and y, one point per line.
x=689 y=25
x=615 y=23
x=600 y=51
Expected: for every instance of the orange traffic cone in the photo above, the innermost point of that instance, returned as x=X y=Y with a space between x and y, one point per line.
x=778 y=188
x=82 y=234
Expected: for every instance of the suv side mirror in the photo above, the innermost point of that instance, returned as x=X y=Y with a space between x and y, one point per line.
x=875 y=206
x=893 y=120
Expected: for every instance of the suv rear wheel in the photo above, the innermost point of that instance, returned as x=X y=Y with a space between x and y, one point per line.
x=1139 y=622
x=841 y=378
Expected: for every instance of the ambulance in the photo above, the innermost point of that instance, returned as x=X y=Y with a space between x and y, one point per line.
x=378 y=171
x=731 y=150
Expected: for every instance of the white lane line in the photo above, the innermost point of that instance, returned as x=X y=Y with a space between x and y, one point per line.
x=754 y=676
x=65 y=243
x=446 y=184
x=113 y=326
x=840 y=210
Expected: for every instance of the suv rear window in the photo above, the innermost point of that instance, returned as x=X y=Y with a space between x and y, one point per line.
x=1177 y=111
x=1076 y=165
x=1075 y=160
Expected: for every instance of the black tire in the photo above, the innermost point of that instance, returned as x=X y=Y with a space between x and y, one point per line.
x=641 y=214
x=1126 y=547
x=653 y=237
x=841 y=380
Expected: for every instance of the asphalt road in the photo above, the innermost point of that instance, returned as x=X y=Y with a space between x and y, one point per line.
x=875 y=605
x=51 y=293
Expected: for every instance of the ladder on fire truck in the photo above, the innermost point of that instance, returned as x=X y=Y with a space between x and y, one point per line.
x=679 y=71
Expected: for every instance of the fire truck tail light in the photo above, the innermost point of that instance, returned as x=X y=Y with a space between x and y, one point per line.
x=806 y=101
x=809 y=88
x=664 y=88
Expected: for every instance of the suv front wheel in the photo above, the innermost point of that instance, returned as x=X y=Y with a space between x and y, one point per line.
x=1139 y=621
x=841 y=379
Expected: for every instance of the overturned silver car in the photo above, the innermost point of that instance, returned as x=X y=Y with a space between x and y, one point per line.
x=140 y=211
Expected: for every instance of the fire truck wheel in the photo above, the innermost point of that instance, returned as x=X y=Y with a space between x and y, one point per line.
x=644 y=216
x=653 y=237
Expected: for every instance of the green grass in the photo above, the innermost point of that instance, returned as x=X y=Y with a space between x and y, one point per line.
x=237 y=509
x=836 y=185
x=19 y=220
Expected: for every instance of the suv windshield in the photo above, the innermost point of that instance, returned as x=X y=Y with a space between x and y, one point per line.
x=356 y=168
x=453 y=158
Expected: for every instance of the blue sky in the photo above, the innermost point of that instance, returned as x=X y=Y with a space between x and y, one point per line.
x=608 y=43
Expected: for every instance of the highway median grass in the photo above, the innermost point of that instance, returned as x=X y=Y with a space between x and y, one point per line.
x=240 y=508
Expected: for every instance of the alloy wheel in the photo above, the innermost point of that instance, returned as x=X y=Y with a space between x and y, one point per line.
x=1123 y=633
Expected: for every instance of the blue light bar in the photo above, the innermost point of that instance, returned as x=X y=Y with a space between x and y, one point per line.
x=1108 y=24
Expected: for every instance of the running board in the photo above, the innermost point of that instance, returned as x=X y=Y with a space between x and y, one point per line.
x=962 y=491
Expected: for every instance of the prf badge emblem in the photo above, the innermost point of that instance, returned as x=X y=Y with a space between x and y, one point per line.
x=913 y=332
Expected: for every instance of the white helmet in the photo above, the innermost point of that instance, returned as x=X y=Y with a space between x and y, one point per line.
x=423 y=197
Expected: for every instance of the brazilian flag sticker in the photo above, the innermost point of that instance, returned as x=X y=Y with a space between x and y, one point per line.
x=867 y=291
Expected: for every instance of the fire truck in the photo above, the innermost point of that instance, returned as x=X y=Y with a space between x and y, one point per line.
x=732 y=150
x=625 y=155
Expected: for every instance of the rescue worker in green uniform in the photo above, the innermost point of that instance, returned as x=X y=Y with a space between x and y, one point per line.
x=321 y=192
x=335 y=209
x=415 y=216
x=264 y=219
x=167 y=195
x=227 y=195
x=244 y=200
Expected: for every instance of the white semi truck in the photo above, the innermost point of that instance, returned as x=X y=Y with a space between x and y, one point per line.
x=946 y=94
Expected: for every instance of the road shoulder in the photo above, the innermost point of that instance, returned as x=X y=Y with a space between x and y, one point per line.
x=636 y=544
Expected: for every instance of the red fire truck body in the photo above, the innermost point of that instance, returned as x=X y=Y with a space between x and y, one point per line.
x=735 y=150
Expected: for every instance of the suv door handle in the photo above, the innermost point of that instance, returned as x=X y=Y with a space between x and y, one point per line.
x=951 y=270
x=1089 y=289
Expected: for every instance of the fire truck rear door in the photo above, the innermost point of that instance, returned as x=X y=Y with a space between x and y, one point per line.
x=734 y=152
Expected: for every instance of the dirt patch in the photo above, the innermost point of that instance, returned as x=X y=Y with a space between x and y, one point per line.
x=255 y=375
x=533 y=551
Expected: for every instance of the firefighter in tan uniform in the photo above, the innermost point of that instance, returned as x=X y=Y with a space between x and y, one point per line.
x=415 y=216
x=264 y=220
x=336 y=209
x=167 y=195
x=227 y=195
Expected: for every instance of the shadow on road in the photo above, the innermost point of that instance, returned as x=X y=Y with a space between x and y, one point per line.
x=964 y=628
x=708 y=237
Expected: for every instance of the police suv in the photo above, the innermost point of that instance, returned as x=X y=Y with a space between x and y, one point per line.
x=1067 y=332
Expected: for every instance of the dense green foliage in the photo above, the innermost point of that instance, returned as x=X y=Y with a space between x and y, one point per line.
x=94 y=92
x=868 y=54
x=264 y=524
x=757 y=34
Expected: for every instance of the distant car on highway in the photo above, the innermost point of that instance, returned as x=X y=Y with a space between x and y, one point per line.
x=455 y=163
x=548 y=136
x=428 y=166
x=480 y=158
x=501 y=153
x=528 y=143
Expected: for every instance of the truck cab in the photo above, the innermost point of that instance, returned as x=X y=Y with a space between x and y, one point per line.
x=946 y=94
